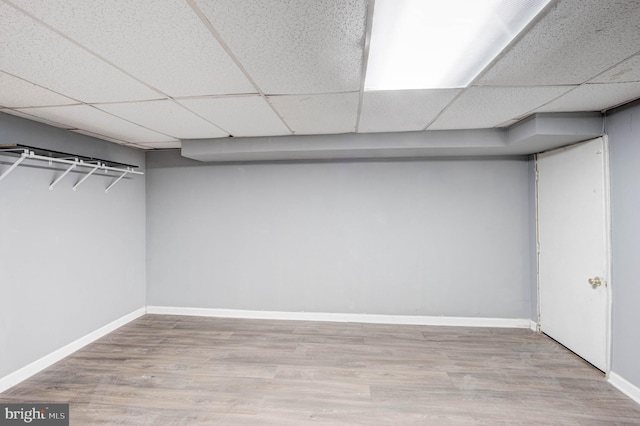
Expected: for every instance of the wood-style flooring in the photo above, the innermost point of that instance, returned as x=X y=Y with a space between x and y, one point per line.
x=178 y=370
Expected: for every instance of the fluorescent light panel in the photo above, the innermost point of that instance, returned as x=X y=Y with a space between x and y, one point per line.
x=428 y=44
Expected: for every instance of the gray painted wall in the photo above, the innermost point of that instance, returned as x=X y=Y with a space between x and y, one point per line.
x=533 y=238
x=70 y=262
x=623 y=127
x=436 y=237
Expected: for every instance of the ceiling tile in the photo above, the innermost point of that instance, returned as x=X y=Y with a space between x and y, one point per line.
x=292 y=47
x=626 y=71
x=162 y=43
x=239 y=115
x=140 y=146
x=24 y=114
x=39 y=55
x=402 y=110
x=160 y=145
x=508 y=123
x=486 y=107
x=99 y=136
x=18 y=93
x=166 y=117
x=594 y=97
x=571 y=44
x=87 y=118
x=318 y=114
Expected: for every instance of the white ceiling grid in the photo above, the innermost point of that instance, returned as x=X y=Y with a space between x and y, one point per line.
x=576 y=40
x=18 y=93
x=486 y=107
x=294 y=47
x=239 y=115
x=149 y=73
x=143 y=37
x=167 y=117
x=402 y=110
x=594 y=97
x=19 y=113
x=318 y=114
x=95 y=135
x=86 y=117
x=625 y=72
x=39 y=55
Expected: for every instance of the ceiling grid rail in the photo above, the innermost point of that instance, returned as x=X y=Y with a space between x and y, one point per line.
x=73 y=162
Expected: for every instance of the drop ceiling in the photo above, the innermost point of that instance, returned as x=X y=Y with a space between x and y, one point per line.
x=153 y=74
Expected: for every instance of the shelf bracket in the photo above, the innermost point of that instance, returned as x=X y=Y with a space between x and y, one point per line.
x=117 y=180
x=94 y=165
x=86 y=177
x=55 y=182
x=23 y=157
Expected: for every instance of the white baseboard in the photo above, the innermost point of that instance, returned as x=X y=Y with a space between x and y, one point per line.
x=29 y=370
x=361 y=318
x=533 y=326
x=50 y=359
x=627 y=388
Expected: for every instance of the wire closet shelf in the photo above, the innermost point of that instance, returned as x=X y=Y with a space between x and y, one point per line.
x=92 y=165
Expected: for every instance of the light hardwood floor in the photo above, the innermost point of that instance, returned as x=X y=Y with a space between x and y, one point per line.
x=175 y=370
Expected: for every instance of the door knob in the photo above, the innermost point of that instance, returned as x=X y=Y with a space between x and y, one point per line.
x=595 y=282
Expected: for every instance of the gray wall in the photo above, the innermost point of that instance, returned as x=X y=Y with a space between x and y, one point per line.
x=433 y=237
x=436 y=237
x=70 y=262
x=623 y=127
x=533 y=237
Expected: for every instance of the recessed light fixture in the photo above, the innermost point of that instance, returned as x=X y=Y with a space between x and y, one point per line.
x=428 y=44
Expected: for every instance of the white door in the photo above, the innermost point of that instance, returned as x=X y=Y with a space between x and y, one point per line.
x=573 y=259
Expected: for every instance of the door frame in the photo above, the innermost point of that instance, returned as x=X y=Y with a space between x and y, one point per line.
x=607 y=226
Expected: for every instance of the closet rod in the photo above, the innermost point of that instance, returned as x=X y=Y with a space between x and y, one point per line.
x=82 y=163
x=93 y=164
